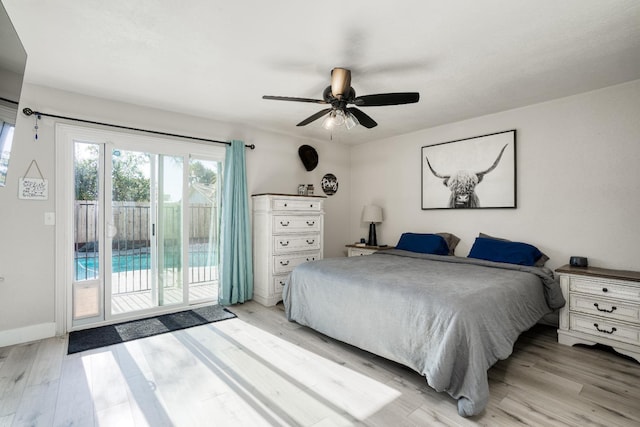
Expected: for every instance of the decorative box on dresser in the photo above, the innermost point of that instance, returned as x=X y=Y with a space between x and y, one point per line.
x=603 y=307
x=288 y=230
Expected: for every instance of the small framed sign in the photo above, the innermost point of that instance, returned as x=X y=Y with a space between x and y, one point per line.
x=33 y=188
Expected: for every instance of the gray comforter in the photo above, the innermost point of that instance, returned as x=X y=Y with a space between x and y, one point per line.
x=446 y=317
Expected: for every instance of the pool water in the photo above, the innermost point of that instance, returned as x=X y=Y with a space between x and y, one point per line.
x=87 y=267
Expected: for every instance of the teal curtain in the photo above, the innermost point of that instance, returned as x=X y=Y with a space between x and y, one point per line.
x=236 y=266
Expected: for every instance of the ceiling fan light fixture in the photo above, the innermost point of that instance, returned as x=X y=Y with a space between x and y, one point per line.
x=350 y=121
x=335 y=118
x=339 y=95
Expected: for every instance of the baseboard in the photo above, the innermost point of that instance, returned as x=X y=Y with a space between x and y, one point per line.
x=26 y=334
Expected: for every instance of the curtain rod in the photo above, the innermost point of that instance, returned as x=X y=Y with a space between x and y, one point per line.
x=8 y=100
x=29 y=112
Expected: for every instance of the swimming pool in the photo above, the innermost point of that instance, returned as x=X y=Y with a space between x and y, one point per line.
x=87 y=267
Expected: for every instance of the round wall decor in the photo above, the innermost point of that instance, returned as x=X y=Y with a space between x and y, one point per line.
x=329 y=184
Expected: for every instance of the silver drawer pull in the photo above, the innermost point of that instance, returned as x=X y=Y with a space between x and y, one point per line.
x=604 y=330
x=613 y=308
x=311 y=242
x=311 y=223
x=284 y=224
x=284 y=243
x=284 y=263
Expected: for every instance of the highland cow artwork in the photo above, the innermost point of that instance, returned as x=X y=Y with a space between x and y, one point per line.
x=470 y=173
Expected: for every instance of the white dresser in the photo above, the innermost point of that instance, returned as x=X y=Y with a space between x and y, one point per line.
x=287 y=231
x=603 y=307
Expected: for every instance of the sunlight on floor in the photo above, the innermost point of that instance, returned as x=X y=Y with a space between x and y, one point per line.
x=225 y=373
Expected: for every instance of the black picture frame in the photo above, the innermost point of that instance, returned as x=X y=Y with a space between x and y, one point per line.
x=470 y=173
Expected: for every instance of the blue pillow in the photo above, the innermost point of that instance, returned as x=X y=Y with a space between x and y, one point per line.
x=505 y=251
x=423 y=243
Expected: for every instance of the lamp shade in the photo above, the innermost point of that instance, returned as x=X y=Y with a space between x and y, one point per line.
x=372 y=213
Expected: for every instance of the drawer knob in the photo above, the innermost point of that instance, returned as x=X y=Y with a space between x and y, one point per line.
x=605 y=290
x=310 y=223
x=281 y=283
x=283 y=263
x=311 y=205
x=284 y=224
x=285 y=205
x=604 y=330
x=613 y=308
x=311 y=259
x=284 y=243
x=311 y=242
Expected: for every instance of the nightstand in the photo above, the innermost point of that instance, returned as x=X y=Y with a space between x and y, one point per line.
x=603 y=307
x=353 y=250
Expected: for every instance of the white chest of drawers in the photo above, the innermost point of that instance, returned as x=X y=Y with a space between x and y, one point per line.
x=288 y=230
x=603 y=307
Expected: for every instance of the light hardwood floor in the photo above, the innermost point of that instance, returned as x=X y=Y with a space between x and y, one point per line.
x=260 y=369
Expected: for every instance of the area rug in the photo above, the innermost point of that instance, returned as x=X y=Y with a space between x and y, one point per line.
x=88 y=339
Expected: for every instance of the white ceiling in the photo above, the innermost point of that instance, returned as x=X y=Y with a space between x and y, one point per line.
x=215 y=59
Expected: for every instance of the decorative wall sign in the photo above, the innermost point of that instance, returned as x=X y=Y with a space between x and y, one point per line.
x=472 y=173
x=33 y=188
x=329 y=184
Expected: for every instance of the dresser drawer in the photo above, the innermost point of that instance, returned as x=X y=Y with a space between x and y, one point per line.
x=605 y=308
x=360 y=251
x=604 y=328
x=296 y=223
x=286 y=263
x=609 y=289
x=296 y=205
x=278 y=282
x=296 y=243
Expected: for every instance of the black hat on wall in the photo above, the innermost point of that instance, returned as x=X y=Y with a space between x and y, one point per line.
x=309 y=157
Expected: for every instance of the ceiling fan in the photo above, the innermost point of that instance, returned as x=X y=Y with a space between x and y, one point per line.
x=340 y=94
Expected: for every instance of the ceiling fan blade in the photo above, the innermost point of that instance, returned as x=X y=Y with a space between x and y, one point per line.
x=363 y=118
x=314 y=117
x=387 y=99
x=290 y=98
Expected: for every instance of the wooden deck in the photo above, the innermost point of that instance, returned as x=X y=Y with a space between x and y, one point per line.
x=142 y=300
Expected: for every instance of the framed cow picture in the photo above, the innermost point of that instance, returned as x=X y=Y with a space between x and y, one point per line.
x=470 y=173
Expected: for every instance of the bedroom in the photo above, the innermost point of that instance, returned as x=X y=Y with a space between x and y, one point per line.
x=577 y=156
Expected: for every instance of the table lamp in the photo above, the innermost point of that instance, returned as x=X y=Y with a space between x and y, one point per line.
x=372 y=214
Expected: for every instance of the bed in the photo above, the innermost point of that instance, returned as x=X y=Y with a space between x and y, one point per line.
x=449 y=318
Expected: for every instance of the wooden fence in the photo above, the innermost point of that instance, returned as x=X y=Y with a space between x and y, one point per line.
x=132 y=221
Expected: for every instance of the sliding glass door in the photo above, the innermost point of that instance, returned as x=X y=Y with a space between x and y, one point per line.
x=144 y=239
x=145 y=236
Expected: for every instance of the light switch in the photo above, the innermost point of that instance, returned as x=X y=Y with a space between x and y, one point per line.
x=49 y=218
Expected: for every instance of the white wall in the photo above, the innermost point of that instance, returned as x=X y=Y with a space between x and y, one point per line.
x=578 y=185
x=27 y=245
x=578 y=173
